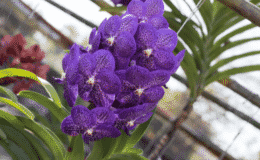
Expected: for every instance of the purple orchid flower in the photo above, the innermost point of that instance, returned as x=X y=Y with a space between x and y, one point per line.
x=154 y=48
x=129 y=118
x=93 y=124
x=139 y=85
x=97 y=81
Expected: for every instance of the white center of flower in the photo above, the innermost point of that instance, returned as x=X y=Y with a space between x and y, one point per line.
x=130 y=123
x=63 y=75
x=91 y=80
x=89 y=47
x=148 y=52
x=139 y=91
x=111 y=40
x=89 y=132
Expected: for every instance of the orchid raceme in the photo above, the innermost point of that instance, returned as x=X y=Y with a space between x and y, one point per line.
x=122 y=71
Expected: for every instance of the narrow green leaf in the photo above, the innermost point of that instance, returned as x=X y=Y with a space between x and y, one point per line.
x=13 y=150
x=127 y=156
x=109 y=146
x=228 y=60
x=113 y=9
x=18 y=106
x=232 y=71
x=97 y=151
x=76 y=148
x=40 y=131
x=14 y=72
x=2 y=135
x=134 y=150
x=9 y=93
x=218 y=50
x=51 y=91
x=121 y=142
x=15 y=135
x=59 y=113
x=38 y=146
x=11 y=119
x=233 y=33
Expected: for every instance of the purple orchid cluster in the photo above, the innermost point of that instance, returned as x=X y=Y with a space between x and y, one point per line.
x=121 y=71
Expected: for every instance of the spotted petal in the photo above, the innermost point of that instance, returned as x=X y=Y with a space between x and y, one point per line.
x=179 y=57
x=154 y=7
x=145 y=36
x=167 y=39
x=139 y=76
x=144 y=118
x=69 y=127
x=125 y=45
x=83 y=117
x=104 y=115
x=70 y=93
x=104 y=60
x=158 y=22
x=101 y=131
x=109 y=82
x=153 y=95
x=129 y=23
x=136 y=8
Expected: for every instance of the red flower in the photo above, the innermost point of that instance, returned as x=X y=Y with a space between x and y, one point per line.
x=27 y=59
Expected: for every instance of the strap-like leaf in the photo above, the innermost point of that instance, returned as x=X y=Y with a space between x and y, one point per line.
x=59 y=113
x=51 y=91
x=232 y=71
x=214 y=54
x=11 y=119
x=14 y=72
x=13 y=150
x=42 y=133
x=127 y=156
x=233 y=33
x=228 y=60
x=18 y=106
x=76 y=149
x=14 y=135
x=9 y=93
x=134 y=150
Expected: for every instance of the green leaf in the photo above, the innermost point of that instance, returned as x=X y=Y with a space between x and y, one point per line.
x=11 y=119
x=134 y=150
x=113 y=9
x=97 y=151
x=121 y=142
x=218 y=50
x=51 y=91
x=16 y=136
x=2 y=135
x=127 y=156
x=233 y=33
x=38 y=146
x=9 y=93
x=18 y=106
x=228 y=60
x=13 y=150
x=53 y=143
x=59 y=113
x=14 y=72
x=109 y=146
x=233 y=71
x=76 y=149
